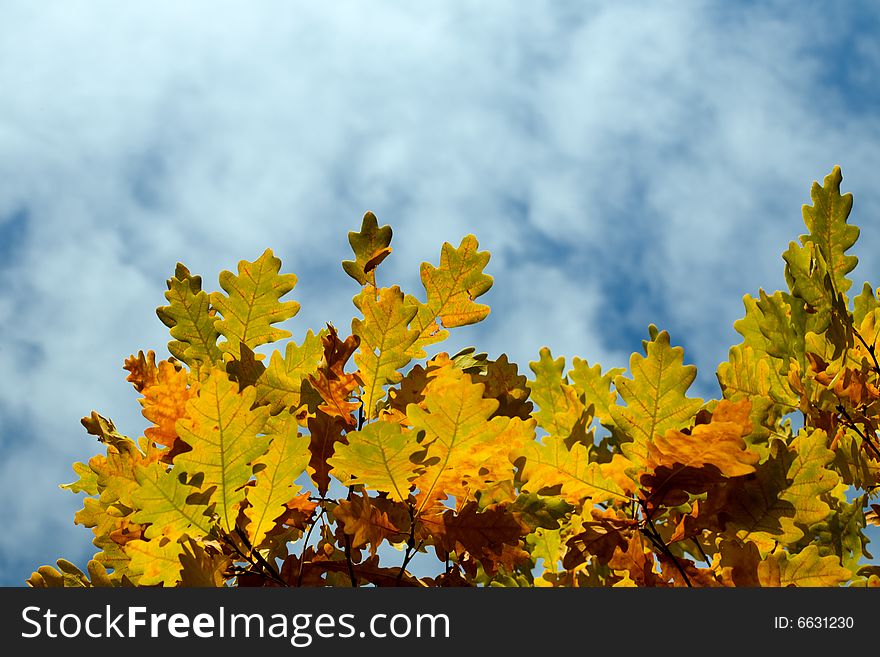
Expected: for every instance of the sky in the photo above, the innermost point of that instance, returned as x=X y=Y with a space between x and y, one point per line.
x=625 y=163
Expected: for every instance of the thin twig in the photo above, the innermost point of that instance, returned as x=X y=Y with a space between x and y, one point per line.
x=657 y=540
x=852 y=425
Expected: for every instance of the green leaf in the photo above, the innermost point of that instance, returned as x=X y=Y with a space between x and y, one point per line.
x=384 y=341
x=252 y=304
x=162 y=500
x=560 y=411
x=826 y=220
x=594 y=387
x=87 y=482
x=382 y=457
x=810 y=479
x=221 y=428
x=370 y=246
x=655 y=397
x=191 y=320
x=280 y=386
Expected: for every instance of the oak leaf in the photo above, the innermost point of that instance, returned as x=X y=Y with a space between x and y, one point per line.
x=806 y=568
x=655 y=397
x=451 y=290
x=252 y=304
x=276 y=471
x=191 y=319
x=371 y=245
x=222 y=429
x=381 y=456
x=384 y=341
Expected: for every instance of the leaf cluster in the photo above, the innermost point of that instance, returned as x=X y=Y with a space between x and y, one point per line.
x=302 y=467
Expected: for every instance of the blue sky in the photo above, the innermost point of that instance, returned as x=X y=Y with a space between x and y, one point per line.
x=625 y=163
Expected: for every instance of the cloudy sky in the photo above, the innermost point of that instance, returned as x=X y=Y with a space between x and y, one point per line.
x=625 y=163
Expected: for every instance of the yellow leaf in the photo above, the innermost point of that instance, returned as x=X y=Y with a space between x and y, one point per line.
x=719 y=443
x=276 y=471
x=805 y=568
x=221 y=428
x=451 y=290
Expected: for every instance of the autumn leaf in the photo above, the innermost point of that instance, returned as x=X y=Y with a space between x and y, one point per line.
x=155 y=562
x=826 y=219
x=559 y=408
x=251 y=304
x=280 y=386
x=504 y=383
x=368 y=523
x=276 y=471
x=810 y=478
x=191 y=319
x=460 y=437
x=593 y=387
x=222 y=429
x=371 y=245
x=482 y=534
x=142 y=369
x=332 y=382
x=806 y=568
x=325 y=435
x=163 y=501
x=552 y=463
x=655 y=397
x=382 y=457
x=451 y=292
x=719 y=443
x=164 y=403
x=384 y=341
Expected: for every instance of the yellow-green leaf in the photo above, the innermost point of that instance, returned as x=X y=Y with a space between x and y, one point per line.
x=371 y=245
x=280 y=385
x=190 y=319
x=806 y=568
x=559 y=408
x=655 y=397
x=384 y=341
x=154 y=562
x=221 y=428
x=826 y=220
x=381 y=457
x=276 y=472
x=251 y=303
x=451 y=292
x=809 y=477
x=551 y=464
x=594 y=388
x=162 y=499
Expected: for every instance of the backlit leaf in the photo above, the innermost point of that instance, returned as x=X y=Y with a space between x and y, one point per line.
x=222 y=430
x=251 y=304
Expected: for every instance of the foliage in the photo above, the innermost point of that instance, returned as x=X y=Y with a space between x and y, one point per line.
x=300 y=469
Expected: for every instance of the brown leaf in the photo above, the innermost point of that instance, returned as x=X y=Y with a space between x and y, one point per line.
x=600 y=538
x=367 y=524
x=331 y=382
x=325 y=431
x=482 y=534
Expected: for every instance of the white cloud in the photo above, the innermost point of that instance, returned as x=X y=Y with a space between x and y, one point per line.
x=671 y=145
